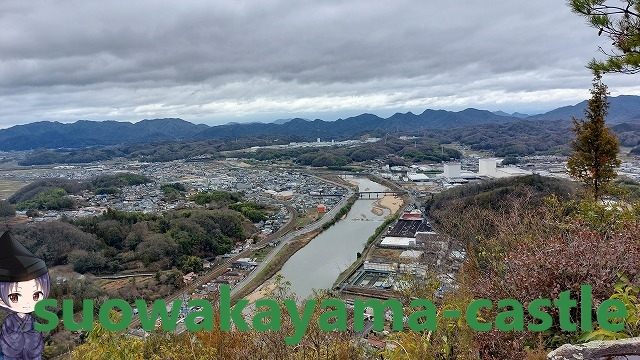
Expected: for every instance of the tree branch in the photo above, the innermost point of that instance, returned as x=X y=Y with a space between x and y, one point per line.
x=620 y=10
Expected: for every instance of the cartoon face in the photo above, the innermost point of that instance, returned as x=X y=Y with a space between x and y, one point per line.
x=24 y=295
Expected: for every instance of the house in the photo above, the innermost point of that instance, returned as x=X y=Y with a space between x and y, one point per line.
x=284 y=195
x=244 y=264
x=187 y=279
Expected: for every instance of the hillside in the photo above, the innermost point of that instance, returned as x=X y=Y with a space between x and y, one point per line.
x=623 y=108
x=83 y=133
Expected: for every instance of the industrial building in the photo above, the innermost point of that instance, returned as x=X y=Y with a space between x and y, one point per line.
x=398 y=242
x=418 y=177
x=488 y=167
x=452 y=171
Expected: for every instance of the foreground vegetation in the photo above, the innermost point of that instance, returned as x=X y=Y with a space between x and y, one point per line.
x=530 y=238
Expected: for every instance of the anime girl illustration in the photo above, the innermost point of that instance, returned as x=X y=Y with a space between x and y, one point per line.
x=24 y=280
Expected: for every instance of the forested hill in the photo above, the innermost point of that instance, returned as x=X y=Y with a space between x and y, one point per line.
x=349 y=128
x=82 y=134
x=51 y=135
x=623 y=108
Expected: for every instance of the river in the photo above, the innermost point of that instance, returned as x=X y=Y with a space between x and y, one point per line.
x=318 y=264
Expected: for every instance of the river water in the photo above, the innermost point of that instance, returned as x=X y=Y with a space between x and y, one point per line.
x=318 y=264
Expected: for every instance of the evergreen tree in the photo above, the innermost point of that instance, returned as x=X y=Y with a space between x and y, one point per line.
x=619 y=20
x=595 y=148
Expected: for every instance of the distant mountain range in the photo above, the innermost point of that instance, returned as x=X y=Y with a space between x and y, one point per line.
x=515 y=114
x=281 y=121
x=83 y=133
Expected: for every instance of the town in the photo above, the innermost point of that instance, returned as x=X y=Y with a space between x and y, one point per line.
x=409 y=246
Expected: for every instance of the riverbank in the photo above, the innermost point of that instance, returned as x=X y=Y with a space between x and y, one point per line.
x=288 y=249
x=366 y=251
x=335 y=251
x=392 y=203
x=261 y=292
x=395 y=204
x=275 y=265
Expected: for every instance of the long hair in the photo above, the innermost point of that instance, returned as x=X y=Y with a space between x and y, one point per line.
x=42 y=281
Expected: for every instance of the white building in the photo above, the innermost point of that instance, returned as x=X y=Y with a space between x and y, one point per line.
x=487 y=167
x=417 y=177
x=367 y=265
x=398 y=242
x=452 y=171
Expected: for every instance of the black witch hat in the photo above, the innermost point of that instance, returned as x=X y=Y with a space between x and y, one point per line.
x=16 y=262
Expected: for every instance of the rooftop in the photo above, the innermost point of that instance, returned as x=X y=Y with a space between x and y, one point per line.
x=398 y=241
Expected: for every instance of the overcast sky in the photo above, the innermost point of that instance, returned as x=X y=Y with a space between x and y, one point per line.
x=214 y=62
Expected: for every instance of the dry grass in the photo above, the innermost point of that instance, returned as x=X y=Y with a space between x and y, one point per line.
x=116 y=284
x=9 y=187
x=390 y=254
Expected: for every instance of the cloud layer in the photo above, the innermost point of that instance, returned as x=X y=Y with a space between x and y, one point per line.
x=219 y=61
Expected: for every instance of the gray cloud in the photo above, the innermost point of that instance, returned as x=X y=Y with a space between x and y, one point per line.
x=218 y=61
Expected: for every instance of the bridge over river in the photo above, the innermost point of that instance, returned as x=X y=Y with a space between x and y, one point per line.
x=379 y=194
x=367 y=195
